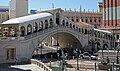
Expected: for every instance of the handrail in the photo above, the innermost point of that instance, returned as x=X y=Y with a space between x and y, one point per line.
x=40 y=64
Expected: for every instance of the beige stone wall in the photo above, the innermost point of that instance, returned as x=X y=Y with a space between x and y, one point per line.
x=4 y=16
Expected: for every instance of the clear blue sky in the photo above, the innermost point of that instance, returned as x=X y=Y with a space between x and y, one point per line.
x=46 y=4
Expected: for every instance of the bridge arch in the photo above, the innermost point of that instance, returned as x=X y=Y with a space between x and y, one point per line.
x=64 y=38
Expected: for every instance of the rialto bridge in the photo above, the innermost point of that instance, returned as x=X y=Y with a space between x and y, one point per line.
x=19 y=37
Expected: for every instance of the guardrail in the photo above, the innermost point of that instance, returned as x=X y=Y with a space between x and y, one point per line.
x=40 y=64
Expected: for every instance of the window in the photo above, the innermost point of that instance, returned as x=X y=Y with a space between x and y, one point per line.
x=90 y=19
x=72 y=19
x=10 y=53
x=94 y=19
x=77 y=20
x=86 y=20
x=81 y=20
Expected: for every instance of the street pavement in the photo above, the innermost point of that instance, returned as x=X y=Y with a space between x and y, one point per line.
x=71 y=65
x=27 y=67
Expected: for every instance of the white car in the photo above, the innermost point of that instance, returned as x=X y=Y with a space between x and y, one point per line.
x=85 y=55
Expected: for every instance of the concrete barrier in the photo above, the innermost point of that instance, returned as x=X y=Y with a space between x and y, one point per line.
x=40 y=64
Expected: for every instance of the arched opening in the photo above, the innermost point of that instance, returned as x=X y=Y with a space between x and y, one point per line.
x=70 y=25
x=67 y=24
x=82 y=31
x=22 y=29
x=63 y=22
x=35 y=27
x=79 y=30
x=40 y=26
x=57 y=18
x=105 y=46
x=12 y=32
x=97 y=46
x=51 y=23
x=73 y=26
x=46 y=24
x=29 y=29
x=76 y=28
x=86 y=20
x=6 y=31
x=85 y=31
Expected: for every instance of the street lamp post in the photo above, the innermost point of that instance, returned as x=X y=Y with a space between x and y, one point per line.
x=40 y=46
x=77 y=58
x=63 y=62
x=102 y=55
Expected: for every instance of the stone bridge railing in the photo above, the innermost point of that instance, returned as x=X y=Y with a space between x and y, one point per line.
x=36 y=34
x=40 y=64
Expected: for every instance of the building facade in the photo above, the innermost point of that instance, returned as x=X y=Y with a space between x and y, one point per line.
x=111 y=15
x=4 y=13
x=18 y=8
x=93 y=18
x=111 y=18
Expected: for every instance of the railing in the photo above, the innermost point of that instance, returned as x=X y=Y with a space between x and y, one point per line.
x=37 y=33
x=48 y=30
x=40 y=64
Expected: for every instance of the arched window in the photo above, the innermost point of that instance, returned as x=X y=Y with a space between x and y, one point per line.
x=35 y=27
x=51 y=23
x=90 y=19
x=22 y=29
x=72 y=19
x=40 y=26
x=86 y=20
x=82 y=20
x=77 y=20
x=63 y=22
x=29 y=29
x=94 y=19
x=99 y=20
x=46 y=24
x=98 y=34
